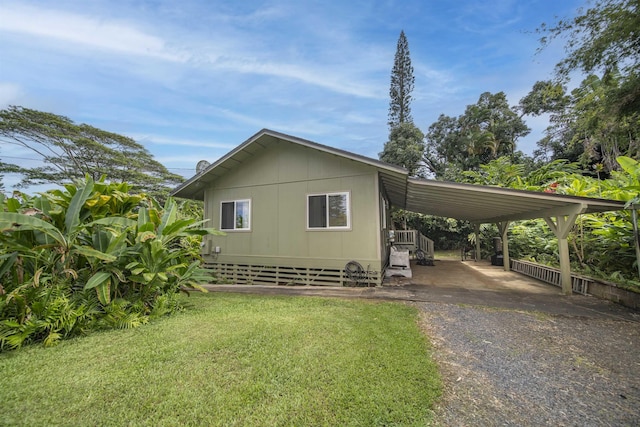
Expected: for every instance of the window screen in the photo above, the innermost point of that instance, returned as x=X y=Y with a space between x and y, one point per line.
x=318 y=211
x=227 y=216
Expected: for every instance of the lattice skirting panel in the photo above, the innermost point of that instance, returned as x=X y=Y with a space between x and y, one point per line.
x=243 y=274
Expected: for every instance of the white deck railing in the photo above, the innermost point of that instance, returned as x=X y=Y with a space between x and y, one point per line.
x=406 y=238
x=580 y=284
x=413 y=240
x=426 y=244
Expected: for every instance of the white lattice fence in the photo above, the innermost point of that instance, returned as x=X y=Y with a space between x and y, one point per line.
x=580 y=284
x=244 y=274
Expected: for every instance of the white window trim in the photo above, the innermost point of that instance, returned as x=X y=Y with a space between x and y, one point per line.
x=234 y=215
x=383 y=211
x=329 y=228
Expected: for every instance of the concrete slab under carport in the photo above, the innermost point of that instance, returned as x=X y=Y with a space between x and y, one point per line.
x=473 y=276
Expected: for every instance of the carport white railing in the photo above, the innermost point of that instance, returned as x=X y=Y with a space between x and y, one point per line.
x=550 y=275
x=414 y=240
x=426 y=244
x=406 y=239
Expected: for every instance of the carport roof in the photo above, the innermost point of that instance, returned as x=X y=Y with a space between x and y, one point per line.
x=484 y=204
x=475 y=203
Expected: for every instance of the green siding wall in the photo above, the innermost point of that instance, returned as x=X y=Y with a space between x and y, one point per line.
x=277 y=181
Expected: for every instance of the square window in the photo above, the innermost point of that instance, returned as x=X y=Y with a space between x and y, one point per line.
x=235 y=215
x=328 y=211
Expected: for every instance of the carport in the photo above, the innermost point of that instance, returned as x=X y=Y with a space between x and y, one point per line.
x=494 y=205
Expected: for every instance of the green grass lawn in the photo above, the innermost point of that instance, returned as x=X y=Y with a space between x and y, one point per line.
x=448 y=254
x=233 y=360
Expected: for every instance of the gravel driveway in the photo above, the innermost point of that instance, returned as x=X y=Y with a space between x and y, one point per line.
x=504 y=367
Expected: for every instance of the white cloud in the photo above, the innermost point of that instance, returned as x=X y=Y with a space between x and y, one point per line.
x=219 y=51
x=307 y=73
x=187 y=162
x=9 y=94
x=255 y=122
x=269 y=13
x=359 y=118
x=475 y=17
x=308 y=128
x=295 y=127
x=85 y=30
x=179 y=142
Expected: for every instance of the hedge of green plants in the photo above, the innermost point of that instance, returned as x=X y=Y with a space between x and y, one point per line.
x=91 y=256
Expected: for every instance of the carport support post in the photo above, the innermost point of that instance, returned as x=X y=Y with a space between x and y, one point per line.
x=561 y=229
x=503 y=227
x=477 y=230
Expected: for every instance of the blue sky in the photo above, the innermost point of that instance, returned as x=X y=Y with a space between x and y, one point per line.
x=192 y=79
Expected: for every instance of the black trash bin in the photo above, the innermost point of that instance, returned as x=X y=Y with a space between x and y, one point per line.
x=497 y=259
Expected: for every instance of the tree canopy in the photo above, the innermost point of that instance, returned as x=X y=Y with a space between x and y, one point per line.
x=604 y=38
x=584 y=125
x=599 y=120
x=404 y=148
x=71 y=151
x=402 y=81
x=487 y=130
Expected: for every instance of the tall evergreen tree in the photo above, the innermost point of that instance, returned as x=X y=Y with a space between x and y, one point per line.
x=402 y=81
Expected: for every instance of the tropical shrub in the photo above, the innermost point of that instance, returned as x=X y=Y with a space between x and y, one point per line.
x=446 y=233
x=91 y=256
x=532 y=240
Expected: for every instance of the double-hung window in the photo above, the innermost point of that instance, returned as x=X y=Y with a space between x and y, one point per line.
x=235 y=215
x=328 y=211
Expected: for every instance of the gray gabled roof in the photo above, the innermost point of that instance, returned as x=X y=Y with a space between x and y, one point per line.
x=193 y=188
x=476 y=203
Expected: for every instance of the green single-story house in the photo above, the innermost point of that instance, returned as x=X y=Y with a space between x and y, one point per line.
x=296 y=212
